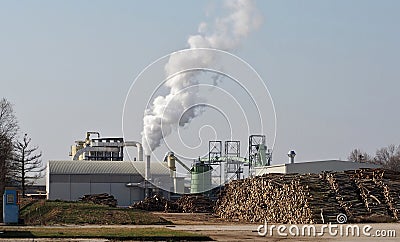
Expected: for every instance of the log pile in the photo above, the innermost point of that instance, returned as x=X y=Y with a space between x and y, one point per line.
x=274 y=197
x=195 y=204
x=279 y=199
x=321 y=198
x=185 y=204
x=154 y=203
x=103 y=199
x=348 y=195
x=371 y=191
x=363 y=195
x=390 y=183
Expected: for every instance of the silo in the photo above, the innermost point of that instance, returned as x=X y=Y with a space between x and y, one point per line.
x=201 y=177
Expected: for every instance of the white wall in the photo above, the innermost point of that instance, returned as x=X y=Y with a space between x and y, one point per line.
x=314 y=167
x=270 y=169
x=320 y=166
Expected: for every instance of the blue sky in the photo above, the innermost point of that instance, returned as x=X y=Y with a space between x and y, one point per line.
x=332 y=67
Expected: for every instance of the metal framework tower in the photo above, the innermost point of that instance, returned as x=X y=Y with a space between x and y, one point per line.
x=232 y=155
x=214 y=151
x=215 y=160
x=258 y=151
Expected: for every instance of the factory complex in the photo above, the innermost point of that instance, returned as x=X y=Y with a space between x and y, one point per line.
x=97 y=166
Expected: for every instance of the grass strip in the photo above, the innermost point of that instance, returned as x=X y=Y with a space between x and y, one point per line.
x=106 y=233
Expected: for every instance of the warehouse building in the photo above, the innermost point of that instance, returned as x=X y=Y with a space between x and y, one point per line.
x=313 y=167
x=71 y=179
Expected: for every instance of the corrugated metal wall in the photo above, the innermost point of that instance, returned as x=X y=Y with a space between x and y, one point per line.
x=71 y=187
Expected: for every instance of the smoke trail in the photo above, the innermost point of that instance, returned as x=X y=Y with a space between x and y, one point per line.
x=226 y=34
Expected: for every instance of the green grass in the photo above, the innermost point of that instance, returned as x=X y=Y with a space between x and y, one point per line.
x=106 y=233
x=62 y=212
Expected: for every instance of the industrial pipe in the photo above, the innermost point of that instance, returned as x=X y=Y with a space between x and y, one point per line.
x=139 y=148
x=147 y=175
x=88 y=133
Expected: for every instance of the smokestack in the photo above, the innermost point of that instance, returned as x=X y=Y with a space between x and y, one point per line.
x=147 y=176
x=140 y=151
x=225 y=33
x=147 y=168
x=291 y=155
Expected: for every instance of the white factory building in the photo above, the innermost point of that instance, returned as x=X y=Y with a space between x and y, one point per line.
x=313 y=167
x=71 y=179
x=98 y=166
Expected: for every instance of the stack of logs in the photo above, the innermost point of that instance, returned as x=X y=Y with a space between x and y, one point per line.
x=348 y=195
x=154 y=203
x=195 y=204
x=382 y=191
x=103 y=199
x=372 y=193
x=365 y=195
x=278 y=198
x=185 y=204
x=390 y=181
x=321 y=198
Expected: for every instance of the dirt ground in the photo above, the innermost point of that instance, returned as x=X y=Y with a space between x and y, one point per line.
x=220 y=230
x=193 y=218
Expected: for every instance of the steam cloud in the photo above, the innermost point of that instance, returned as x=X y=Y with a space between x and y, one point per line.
x=177 y=107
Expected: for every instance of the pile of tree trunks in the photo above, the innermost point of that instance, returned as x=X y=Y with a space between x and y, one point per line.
x=278 y=198
x=154 y=203
x=390 y=183
x=185 y=204
x=372 y=192
x=348 y=195
x=103 y=198
x=195 y=204
x=363 y=195
x=321 y=199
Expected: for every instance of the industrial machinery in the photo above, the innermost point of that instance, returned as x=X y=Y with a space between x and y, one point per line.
x=230 y=165
x=226 y=166
x=200 y=177
x=200 y=174
x=110 y=149
x=259 y=155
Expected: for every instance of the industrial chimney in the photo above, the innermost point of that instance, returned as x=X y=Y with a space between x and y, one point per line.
x=291 y=155
x=147 y=176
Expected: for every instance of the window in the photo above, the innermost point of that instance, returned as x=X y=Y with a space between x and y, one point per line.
x=10 y=198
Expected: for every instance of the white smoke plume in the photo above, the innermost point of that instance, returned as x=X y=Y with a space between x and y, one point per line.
x=226 y=33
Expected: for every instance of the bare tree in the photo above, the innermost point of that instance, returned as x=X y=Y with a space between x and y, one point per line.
x=389 y=157
x=358 y=155
x=6 y=149
x=8 y=130
x=27 y=163
x=8 y=121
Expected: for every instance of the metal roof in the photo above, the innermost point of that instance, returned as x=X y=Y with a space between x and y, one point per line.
x=105 y=167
